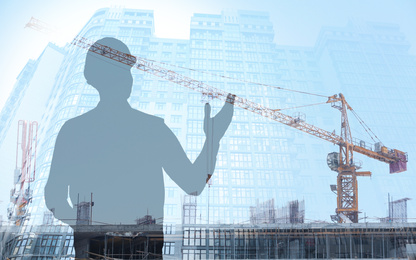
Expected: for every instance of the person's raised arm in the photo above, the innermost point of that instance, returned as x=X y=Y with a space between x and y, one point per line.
x=192 y=177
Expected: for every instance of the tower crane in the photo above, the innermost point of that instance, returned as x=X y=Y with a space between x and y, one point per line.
x=342 y=162
x=25 y=171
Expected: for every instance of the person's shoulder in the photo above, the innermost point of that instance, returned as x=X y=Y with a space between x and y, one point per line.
x=153 y=125
x=77 y=122
x=142 y=116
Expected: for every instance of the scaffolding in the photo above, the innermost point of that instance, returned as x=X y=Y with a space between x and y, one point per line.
x=84 y=213
x=263 y=213
x=293 y=212
x=398 y=210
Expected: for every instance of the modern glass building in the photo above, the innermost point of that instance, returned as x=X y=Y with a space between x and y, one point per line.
x=259 y=159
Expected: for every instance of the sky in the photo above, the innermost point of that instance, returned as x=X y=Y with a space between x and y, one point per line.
x=296 y=23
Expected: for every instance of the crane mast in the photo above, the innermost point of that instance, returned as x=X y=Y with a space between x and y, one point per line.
x=346 y=188
x=21 y=194
x=342 y=162
x=347 y=193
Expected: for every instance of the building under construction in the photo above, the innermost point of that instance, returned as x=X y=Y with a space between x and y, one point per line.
x=296 y=241
x=264 y=241
x=269 y=235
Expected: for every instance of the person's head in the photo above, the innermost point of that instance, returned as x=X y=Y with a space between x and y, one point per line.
x=111 y=78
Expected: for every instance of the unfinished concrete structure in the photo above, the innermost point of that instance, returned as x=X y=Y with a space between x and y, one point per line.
x=398 y=210
x=298 y=241
x=266 y=241
x=119 y=241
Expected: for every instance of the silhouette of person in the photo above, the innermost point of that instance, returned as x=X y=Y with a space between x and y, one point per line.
x=118 y=153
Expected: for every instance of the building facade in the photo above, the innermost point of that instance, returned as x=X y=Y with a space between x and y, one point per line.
x=259 y=159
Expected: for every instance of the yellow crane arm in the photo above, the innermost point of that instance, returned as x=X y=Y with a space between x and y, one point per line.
x=392 y=157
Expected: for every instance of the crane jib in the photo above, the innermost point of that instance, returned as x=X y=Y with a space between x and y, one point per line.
x=397 y=159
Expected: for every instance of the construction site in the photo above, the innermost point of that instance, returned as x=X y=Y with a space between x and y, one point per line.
x=264 y=241
x=236 y=218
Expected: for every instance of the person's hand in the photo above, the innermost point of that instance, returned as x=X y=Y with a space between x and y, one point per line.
x=216 y=127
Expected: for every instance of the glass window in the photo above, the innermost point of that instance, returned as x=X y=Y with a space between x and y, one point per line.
x=160 y=106
x=169 y=248
x=176 y=118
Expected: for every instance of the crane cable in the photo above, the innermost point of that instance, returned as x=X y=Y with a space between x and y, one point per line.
x=141 y=59
x=286 y=108
x=365 y=126
x=231 y=78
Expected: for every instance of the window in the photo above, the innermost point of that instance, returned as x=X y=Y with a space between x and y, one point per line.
x=161 y=94
x=48 y=244
x=170 y=209
x=189 y=214
x=234 y=55
x=88 y=100
x=242 y=177
x=110 y=26
x=166 y=54
x=180 y=55
x=144 y=105
x=195 y=127
x=240 y=129
x=260 y=129
x=263 y=160
x=170 y=192
x=176 y=119
x=194 y=141
x=280 y=146
x=160 y=106
x=68 y=246
x=176 y=106
x=194 y=237
x=170 y=229
x=197 y=112
x=262 y=144
x=242 y=160
x=167 y=45
x=219 y=195
x=243 y=196
x=169 y=248
x=124 y=32
x=66 y=113
x=176 y=131
x=232 y=45
x=145 y=94
x=177 y=95
x=239 y=144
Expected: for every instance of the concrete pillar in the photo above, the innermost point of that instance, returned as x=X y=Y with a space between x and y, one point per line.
x=81 y=246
